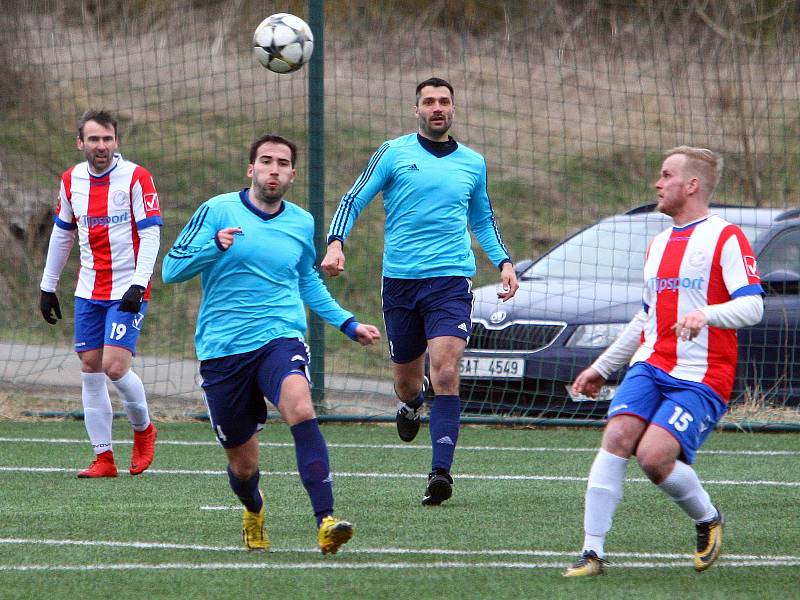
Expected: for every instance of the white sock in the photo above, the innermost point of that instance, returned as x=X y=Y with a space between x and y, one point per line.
x=603 y=494
x=684 y=487
x=134 y=400
x=97 y=413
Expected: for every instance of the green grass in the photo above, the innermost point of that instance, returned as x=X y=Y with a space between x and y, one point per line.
x=532 y=215
x=483 y=543
x=186 y=175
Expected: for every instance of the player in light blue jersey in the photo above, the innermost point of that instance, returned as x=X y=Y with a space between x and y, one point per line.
x=434 y=191
x=254 y=252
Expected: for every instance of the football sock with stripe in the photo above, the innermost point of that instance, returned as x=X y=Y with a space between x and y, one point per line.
x=684 y=487
x=131 y=390
x=247 y=491
x=444 y=425
x=314 y=467
x=97 y=412
x=603 y=494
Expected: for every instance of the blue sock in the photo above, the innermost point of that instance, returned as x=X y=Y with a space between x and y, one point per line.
x=416 y=402
x=247 y=491
x=314 y=468
x=444 y=423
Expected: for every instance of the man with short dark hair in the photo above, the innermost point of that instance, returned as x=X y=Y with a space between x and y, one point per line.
x=254 y=251
x=113 y=205
x=433 y=188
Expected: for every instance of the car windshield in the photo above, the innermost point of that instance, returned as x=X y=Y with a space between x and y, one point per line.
x=612 y=250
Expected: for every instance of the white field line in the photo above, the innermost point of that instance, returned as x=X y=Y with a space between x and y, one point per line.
x=790 y=484
x=392 y=566
x=390 y=551
x=647 y=560
x=533 y=449
x=408 y=476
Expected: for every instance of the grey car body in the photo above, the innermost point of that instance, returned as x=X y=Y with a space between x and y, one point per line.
x=523 y=354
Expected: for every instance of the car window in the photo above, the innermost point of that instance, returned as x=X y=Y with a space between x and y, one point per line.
x=782 y=255
x=611 y=250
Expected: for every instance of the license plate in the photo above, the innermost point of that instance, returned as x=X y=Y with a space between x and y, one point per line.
x=487 y=367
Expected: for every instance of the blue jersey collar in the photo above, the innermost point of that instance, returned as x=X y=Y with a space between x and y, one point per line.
x=690 y=225
x=116 y=157
x=438 y=149
x=244 y=195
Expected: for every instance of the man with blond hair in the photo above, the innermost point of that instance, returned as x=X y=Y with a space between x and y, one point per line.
x=700 y=284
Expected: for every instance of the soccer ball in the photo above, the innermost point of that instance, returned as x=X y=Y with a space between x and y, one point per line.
x=283 y=43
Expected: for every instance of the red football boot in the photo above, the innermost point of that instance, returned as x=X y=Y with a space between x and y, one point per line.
x=144 y=447
x=103 y=466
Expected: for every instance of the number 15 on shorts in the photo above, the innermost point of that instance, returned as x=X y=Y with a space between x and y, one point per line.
x=680 y=419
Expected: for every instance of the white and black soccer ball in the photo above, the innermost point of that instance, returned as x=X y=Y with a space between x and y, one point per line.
x=283 y=43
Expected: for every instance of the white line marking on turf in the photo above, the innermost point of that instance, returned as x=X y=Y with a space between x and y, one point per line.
x=369 y=565
x=790 y=484
x=535 y=449
x=391 y=551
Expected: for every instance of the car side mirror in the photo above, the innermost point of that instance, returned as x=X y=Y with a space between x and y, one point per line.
x=781 y=282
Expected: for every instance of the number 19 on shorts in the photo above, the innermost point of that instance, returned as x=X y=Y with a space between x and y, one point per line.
x=118 y=331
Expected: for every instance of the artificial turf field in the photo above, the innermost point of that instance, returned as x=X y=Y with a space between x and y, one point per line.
x=513 y=524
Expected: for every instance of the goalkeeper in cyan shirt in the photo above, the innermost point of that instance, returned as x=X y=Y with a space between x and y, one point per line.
x=255 y=254
x=433 y=188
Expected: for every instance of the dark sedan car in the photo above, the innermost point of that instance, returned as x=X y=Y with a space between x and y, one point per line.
x=574 y=301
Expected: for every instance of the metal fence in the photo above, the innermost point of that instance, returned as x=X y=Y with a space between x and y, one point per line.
x=571 y=103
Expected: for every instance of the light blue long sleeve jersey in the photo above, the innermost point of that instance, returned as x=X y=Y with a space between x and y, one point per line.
x=254 y=291
x=429 y=201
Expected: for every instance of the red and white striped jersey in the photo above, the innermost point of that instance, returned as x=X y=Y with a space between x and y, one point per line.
x=108 y=211
x=706 y=262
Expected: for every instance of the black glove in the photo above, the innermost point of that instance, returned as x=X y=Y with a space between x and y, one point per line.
x=132 y=299
x=48 y=304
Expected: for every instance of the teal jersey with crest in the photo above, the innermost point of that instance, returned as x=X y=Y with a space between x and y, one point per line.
x=429 y=201
x=254 y=291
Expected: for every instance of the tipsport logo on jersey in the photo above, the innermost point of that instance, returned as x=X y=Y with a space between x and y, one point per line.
x=104 y=220
x=673 y=284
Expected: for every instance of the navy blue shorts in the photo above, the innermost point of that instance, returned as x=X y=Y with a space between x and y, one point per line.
x=416 y=310
x=101 y=323
x=235 y=386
